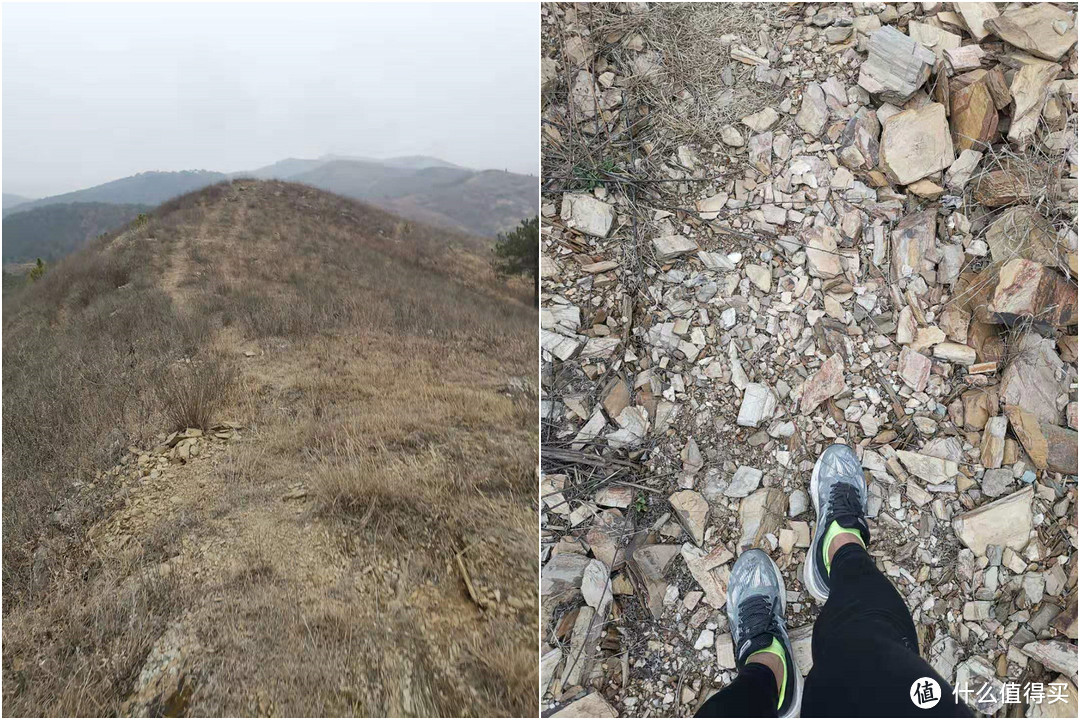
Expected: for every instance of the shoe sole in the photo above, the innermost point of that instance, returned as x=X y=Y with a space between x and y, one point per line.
x=815 y=585
x=797 y=684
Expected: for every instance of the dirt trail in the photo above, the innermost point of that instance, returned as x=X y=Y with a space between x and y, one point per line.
x=259 y=569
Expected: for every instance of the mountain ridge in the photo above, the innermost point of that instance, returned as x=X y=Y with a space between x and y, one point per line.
x=418 y=187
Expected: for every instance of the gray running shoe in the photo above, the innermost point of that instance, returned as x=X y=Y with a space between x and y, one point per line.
x=755 y=609
x=838 y=490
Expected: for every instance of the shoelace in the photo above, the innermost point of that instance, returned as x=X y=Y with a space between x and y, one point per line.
x=844 y=502
x=756 y=616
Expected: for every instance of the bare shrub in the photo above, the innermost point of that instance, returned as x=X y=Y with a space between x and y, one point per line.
x=79 y=653
x=194 y=392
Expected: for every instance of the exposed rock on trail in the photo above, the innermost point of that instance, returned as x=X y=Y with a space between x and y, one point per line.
x=875 y=245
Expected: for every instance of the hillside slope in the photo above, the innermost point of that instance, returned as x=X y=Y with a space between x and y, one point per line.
x=54 y=231
x=484 y=202
x=345 y=523
x=12 y=201
x=147 y=188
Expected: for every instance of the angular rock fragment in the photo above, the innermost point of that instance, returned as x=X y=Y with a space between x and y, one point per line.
x=1022 y=232
x=813 y=113
x=955 y=353
x=761 y=512
x=758 y=403
x=859 y=146
x=743 y=482
x=1029 y=93
x=822 y=385
x=710 y=570
x=1032 y=29
x=993 y=442
x=587 y=214
x=1053 y=654
x=916 y=143
x=563 y=573
x=896 y=67
x=1028 y=289
x=975 y=14
x=761 y=121
x=822 y=252
x=649 y=565
x=914 y=369
x=592 y=705
x=1002 y=187
x=692 y=512
x=933 y=470
x=960 y=172
x=669 y=247
x=912 y=241
x=973 y=117
x=1050 y=447
x=1005 y=522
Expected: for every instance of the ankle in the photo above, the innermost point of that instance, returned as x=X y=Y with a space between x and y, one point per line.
x=844 y=538
x=771 y=661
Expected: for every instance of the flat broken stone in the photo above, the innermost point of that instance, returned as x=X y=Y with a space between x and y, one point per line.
x=762 y=121
x=931 y=469
x=1053 y=654
x=955 y=353
x=1005 y=522
x=813 y=112
x=973 y=117
x=992 y=451
x=760 y=276
x=1032 y=29
x=710 y=570
x=743 y=482
x=1029 y=92
x=821 y=252
x=670 y=247
x=975 y=15
x=592 y=705
x=758 y=403
x=1050 y=447
x=563 y=573
x=692 y=512
x=650 y=564
x=1022 y=232
x=916 y=143
x=586 y=214
x=761 y=512
x=822 y=385
x=896 y=66
x=914 y=369
x=912 y=241
x=1035 y=379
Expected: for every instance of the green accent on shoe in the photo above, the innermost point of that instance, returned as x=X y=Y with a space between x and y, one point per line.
x=778 y=650
x=830 y=534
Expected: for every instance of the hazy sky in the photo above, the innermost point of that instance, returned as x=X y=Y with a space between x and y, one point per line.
x=94 y=92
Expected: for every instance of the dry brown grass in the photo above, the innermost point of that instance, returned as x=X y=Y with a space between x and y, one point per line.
x=193 y=393
x=379 y=386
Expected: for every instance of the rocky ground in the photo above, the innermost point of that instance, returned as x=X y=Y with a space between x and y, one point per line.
x=772 y=227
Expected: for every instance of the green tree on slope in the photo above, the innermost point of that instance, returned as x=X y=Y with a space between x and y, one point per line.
x=518 y=253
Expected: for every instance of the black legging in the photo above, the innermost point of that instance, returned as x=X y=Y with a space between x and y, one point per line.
x=866 y=656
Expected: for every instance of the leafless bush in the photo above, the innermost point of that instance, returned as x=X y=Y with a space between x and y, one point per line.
x=194 y=392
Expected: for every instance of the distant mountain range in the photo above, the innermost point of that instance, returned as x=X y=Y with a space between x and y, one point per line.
x=421 y=188
x=11 y=201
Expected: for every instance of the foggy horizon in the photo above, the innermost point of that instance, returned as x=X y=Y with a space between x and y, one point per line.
x=97 y=92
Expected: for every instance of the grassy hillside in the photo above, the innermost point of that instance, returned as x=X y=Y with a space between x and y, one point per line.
x=349 y=527
x=54 y=231
x=148 y=188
